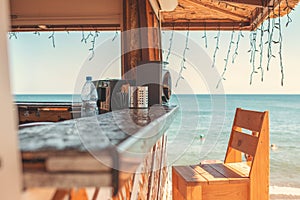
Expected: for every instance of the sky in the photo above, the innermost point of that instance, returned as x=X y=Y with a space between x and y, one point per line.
x=39 y=68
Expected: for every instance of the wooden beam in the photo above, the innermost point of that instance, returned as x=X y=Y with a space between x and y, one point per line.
x=10 y=170
x=67 y=180
x=257 y=3
x=74 y=27
x=204 y=25
x=140 y=38
x=218 y=9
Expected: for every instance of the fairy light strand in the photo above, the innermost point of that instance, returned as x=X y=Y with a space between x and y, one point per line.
x=240 y=35
x=253 y=52
x=183 y=61
x=86 y=38
x=226 y=59
x=205 y=36
x=287 y=8
x=37 y=33
x=261 y=47
x=270 y=39
x=170 y=45
x=12 y=35
x=93 y=42
x=116 y=35
x=217 y=37
x=52 y=37
x=280 y=47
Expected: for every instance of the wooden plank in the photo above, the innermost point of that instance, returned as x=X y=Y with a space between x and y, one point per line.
x=153 y=183
x=78 y=163
x=189 y=174
x=227 y=172
x=260 y=171
x=255 y=3
x=244 y=142
x=66 y=180
x=250 y=120
x=224 y=12
x=241 y=168
x=204 y=25
x=210 y=174
x=226 y=191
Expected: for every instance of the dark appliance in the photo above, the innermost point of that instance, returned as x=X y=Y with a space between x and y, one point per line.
x=112 y=94
x=158 y=80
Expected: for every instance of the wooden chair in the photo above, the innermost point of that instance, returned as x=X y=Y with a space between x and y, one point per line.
x=236 y=178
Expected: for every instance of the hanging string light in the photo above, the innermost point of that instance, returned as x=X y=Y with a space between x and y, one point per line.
x=183 y=61
x=170 y=45
x=288 y=8
x=205 y=36
x=12 y=35
x=280 y=46
x=253 y=50
x=226 y=59
x=37 y=33
x=85 y=38
x=52 y=37
x=116 y=35
x=217 y=37
x=67 y=31
x=261 y=47
x=271 y=27
x=240 y=35
x=93 y=41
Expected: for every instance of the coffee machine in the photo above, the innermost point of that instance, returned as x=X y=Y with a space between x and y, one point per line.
x=112 y=94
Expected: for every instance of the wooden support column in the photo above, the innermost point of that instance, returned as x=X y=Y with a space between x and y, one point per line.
x=10 y=170
x=140 y=34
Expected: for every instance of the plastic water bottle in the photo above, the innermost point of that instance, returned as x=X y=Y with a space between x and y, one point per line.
x=89 y=98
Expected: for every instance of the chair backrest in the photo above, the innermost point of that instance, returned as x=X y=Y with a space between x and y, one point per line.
x=249 y=135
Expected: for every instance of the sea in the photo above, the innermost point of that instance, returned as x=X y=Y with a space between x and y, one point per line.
x=201 y=129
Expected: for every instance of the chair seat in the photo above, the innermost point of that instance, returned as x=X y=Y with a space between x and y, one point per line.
x=209 y=182
x=216 y=173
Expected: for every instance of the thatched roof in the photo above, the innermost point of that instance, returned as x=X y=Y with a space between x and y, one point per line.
x=225 y=14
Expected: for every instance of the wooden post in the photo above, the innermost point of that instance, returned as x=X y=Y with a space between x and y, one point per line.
x=140 y=35
x=10 y=171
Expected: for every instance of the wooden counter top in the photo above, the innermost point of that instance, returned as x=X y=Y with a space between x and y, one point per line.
x=97 y=151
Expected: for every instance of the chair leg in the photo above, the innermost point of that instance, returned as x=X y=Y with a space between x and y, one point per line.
x=95 y=194
x=79 y=194
x=60 y=194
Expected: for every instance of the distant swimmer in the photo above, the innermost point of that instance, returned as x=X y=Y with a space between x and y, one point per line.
x=202 y=138
x=274 y=147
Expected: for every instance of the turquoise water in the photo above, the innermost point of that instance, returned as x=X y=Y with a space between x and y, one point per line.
x=212 y=117
x=47 y=98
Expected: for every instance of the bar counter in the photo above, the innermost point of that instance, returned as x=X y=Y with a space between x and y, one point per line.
x=112 y=149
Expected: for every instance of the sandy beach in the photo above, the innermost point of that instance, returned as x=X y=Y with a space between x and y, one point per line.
x=277 y=192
